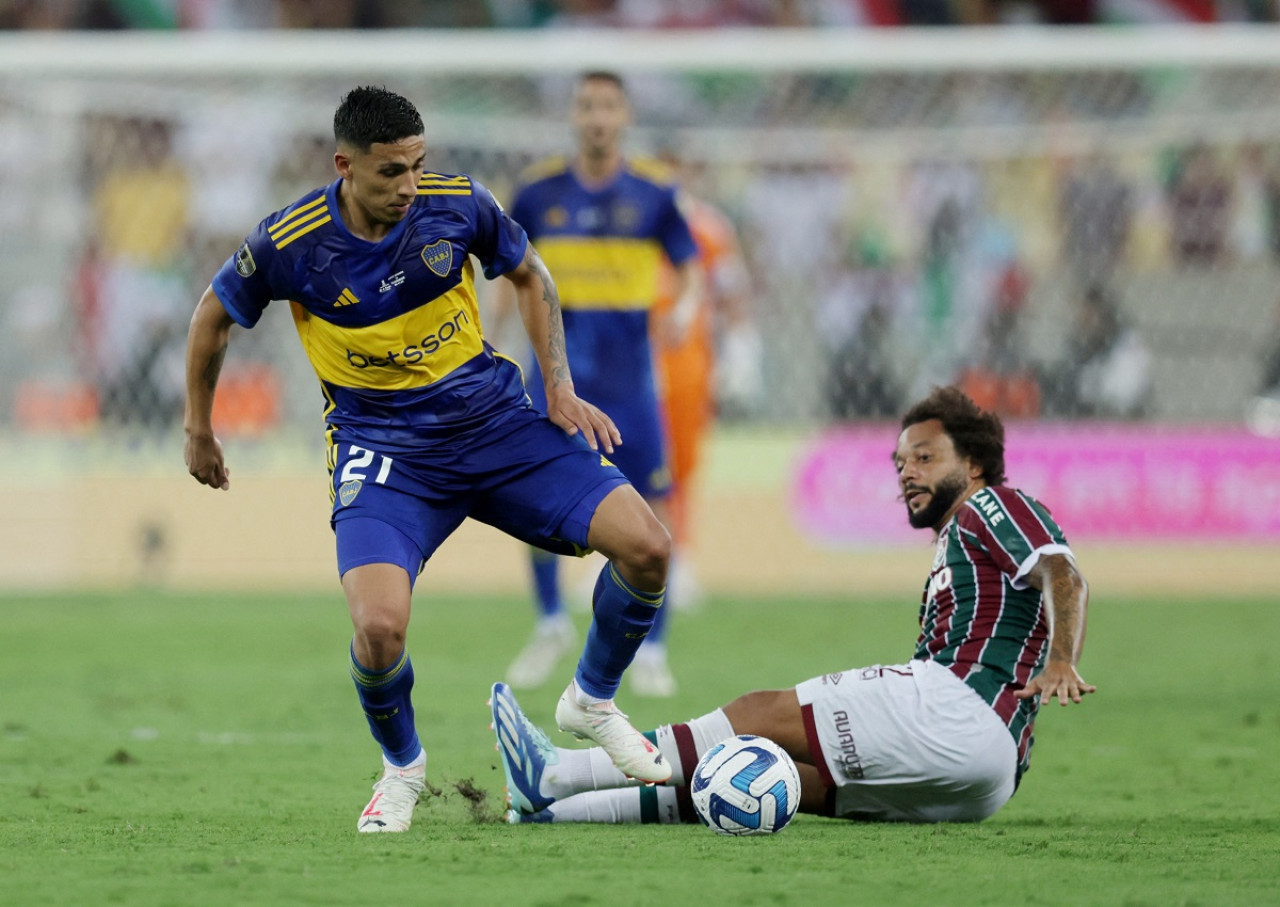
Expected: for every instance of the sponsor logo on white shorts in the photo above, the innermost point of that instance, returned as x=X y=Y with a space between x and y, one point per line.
x=848 y=756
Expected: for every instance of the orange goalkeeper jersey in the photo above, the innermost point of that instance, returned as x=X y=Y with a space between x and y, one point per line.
x=685 y=369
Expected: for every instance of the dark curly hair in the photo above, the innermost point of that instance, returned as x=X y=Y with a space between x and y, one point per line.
x=372 y=114
x=978 y=435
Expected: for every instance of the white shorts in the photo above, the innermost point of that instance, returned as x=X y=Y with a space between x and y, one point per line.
x=907 y=743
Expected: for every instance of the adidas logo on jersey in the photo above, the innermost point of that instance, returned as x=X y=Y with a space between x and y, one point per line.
x=346 y=297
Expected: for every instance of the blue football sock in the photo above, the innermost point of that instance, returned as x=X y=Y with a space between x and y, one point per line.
x=622 y=616
x=546 y=582
x=384 y=696
x=658 y=632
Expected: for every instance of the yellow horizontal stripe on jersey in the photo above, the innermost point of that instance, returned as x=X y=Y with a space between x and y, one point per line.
x=297 y=223
x=437 y=184
x=611 y=273
x=290 y=220
x=302 y=231
x=412 y=350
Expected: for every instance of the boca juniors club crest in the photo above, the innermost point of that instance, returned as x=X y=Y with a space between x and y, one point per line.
x=625 y=217
x=347 y=493
x=438 y=256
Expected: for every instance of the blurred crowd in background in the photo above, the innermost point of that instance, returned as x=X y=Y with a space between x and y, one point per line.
x=1100 y=244
x=217 y=14
x=868 y=280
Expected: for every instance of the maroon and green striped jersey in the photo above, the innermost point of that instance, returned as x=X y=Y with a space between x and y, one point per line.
x=979 y=616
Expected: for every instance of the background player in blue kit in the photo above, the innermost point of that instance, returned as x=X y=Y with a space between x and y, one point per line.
x=427 y=425
x=604 y=222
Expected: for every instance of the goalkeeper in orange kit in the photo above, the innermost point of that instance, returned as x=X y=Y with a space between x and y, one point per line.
x=712 y=359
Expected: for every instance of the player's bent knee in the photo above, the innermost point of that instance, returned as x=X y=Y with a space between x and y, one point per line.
x=644 y=563
x=381 y=628
x=378 y=600
x=643 y=555
x=652 y=551
x=753 y=713
x=625 y=530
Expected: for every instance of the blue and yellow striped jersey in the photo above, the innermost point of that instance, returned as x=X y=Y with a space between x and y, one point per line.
x=604 y=247
x=392 y=328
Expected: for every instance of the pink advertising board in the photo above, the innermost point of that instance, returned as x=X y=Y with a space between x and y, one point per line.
x=1100 y=481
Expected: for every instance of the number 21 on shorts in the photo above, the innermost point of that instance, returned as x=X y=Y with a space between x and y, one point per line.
x=355 y=472
x=360 y=460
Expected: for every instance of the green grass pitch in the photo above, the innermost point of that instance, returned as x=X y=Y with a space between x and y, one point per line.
x=207 y=749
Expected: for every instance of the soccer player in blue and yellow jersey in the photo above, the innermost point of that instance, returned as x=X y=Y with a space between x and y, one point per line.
x=606 y=225
x=943 y=737
x=428 y=425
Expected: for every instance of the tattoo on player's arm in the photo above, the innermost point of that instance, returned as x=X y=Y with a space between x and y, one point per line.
x=555 y=338
x=1066 y=594
x=555 y=324
x=214 y=367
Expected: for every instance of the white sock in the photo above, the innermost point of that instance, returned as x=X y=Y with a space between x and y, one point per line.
x=710 y=729
x=682 y=745
x=593 y=770
x=618 y=806
x=419 y=761
x=582 y=770
x=584 y=698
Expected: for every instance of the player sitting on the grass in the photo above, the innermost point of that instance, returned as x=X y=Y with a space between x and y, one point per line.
x=943 y=737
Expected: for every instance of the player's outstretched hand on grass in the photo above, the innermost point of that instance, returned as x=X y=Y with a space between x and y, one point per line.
x=566 y=409
x=1058 y=679
x=203 y=454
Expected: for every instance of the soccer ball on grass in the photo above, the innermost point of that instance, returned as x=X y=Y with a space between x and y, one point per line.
x=746 y=785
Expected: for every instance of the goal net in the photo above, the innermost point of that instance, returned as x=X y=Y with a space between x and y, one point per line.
x=1076 y=224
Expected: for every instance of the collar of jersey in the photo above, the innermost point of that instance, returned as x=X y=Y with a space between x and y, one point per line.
x=331 y=197
x=598 y=188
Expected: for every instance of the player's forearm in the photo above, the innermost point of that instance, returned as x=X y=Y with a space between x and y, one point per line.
x=539 y=306
x=207 y=340
x=1066 y=600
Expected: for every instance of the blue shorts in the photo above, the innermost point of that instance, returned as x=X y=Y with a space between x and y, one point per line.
x=524 y=476
x=642 y=455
